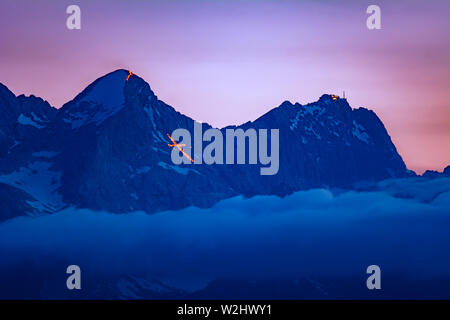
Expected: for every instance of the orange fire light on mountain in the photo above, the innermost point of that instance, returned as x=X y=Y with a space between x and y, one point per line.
x=179 y=145
x=129 y=75
x=334 y=97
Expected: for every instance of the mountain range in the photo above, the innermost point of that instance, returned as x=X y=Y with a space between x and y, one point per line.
x=107 y=149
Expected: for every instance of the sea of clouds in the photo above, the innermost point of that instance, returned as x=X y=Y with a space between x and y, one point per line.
x=402 y=225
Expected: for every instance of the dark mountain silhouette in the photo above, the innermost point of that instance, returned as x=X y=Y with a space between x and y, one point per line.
x=21 y=118
x=107 y=150
x=436 y=174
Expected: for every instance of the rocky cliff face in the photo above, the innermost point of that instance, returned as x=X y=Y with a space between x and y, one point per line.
x=21 y=119
x=325 y=143
x=107 y=149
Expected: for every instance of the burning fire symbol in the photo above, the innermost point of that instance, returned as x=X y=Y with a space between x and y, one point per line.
x=129 y=75
x=179 y=145
x=334 y=97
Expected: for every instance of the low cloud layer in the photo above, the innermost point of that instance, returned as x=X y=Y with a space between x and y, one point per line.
x=404 y=228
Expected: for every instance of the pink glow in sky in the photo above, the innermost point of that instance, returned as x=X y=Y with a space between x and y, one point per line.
x=227 y=62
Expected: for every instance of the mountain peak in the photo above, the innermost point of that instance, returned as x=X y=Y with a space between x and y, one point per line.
x=286 y=104
x=102 y=98
x=110 y=86
x=331 y=97
x=107 y=89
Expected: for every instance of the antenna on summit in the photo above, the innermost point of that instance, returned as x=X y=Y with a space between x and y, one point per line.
x=344 y=94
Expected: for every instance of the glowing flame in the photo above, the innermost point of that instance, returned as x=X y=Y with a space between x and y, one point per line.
x=129 y=75
x=334 y=97
x=179 y=145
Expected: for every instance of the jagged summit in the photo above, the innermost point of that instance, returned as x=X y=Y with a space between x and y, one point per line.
x=329 y=96
x=286 y=104
x=103 y=98
x=437 y=174
x=324 y=98
x=108 y=88
x=21 y=118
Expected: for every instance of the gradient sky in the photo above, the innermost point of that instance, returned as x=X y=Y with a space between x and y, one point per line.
x=226 y=62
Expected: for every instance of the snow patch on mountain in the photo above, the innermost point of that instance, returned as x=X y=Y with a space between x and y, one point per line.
x=142 y=170
x=294 y=122
x=40 y=182
x=180 y=170
x=311 y=130
x=24 y=120
x=312 y=109
x=38 y=119
x=158 y=136
x=359 y=132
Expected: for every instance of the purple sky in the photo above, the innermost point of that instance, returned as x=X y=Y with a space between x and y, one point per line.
x=226 y=62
